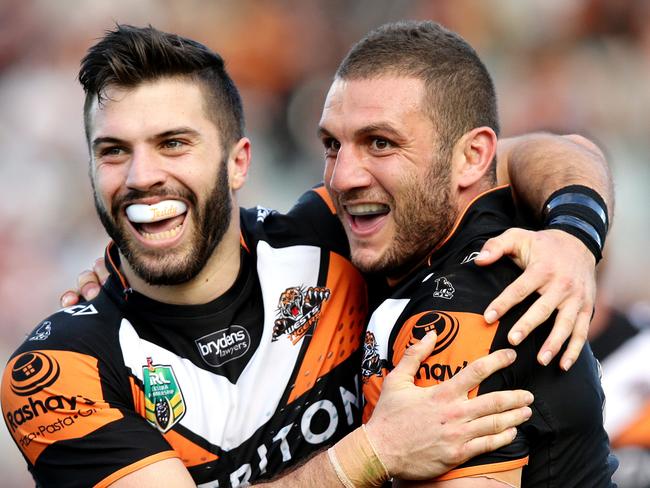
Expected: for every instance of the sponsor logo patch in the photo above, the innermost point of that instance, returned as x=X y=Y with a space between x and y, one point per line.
x=445 y=325
x=224 y=345
x=42 y=333
x=50 y=396
x=468 y=332
x=164 y=403
x=32 y=372
x=299 y=309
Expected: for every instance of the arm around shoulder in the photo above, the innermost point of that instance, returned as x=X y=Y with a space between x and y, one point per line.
x=393 y=445
x=538 y=164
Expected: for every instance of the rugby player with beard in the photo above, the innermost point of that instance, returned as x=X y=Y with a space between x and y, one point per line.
x=410 y=130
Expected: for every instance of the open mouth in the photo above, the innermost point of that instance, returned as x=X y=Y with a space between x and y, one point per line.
x=364 y=216
x=157 y=222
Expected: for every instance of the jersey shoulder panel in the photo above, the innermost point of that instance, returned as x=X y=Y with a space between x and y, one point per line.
x=311 y=221
x=84 y=327
x=66 y=399
x=450 y=300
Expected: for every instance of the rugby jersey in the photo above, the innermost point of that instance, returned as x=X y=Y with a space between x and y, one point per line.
x=239 y=388
x=563 y=444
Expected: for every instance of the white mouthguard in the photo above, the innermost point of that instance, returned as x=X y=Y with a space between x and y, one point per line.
x=166 y=209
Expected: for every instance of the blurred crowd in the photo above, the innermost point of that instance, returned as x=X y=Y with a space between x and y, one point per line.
x=569 y=66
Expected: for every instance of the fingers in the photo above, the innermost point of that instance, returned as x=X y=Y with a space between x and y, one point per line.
x=538 y=313
x=415 y=355
x=88 y=284
x=577 y=342
x=490 y=432
x=498 y=422
x=99 y=268
x=495 y=248
x=513 y=294
x=489 y=443
x=497 y=402
x=69 y=298
x=563 y=327
x=472 y=375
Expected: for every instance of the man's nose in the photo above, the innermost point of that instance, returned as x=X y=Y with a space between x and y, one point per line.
x=145 y=171
x=350 y=170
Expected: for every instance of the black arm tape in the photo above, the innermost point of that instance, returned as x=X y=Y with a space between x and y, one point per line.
x=581 y=212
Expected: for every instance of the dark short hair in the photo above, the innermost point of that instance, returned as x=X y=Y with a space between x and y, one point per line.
x=128 y=56
x=460 y=91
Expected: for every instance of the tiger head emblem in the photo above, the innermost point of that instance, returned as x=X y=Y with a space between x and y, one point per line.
x=298 y=310
x=291 y=302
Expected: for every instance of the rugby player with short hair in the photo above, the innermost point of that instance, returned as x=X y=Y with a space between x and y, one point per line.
x=412 y=108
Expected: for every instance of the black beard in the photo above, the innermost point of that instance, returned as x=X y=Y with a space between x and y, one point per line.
x=210 y=224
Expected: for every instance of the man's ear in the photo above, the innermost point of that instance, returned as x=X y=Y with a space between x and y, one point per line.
x=239 y=161
x=473 y=156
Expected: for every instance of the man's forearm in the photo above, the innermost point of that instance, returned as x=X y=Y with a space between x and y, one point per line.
x=538 y=164
x=317 y=471
x=392 y=445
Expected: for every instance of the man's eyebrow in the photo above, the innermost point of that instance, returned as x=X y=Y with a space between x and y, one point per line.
x=383 y=127
x=163 y=135
x=106 y=140
x=176 y=132
x=323 y=132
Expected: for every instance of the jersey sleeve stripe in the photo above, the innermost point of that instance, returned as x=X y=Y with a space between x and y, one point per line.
x=484 y=469
x=161 y=456
x=324 y=194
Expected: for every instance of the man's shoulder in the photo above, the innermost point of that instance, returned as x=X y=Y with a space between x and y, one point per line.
x=65 y=392
x=459 y=282
x=85 y=327
x=452 y=298
x=311 y=221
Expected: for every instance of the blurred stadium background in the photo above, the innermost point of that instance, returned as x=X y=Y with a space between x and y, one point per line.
x=578 y=66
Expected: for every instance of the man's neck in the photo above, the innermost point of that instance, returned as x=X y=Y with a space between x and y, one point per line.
x=463 y=200
x=216 y=277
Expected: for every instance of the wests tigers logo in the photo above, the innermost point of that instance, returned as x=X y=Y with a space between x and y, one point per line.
x=371 y=363
x=299 y=309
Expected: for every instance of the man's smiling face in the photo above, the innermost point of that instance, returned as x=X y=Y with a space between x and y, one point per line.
x=382 y=168
x=151 y=144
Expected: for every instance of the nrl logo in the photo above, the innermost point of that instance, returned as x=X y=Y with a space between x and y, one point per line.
x=164 y=404
x=299 y=309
